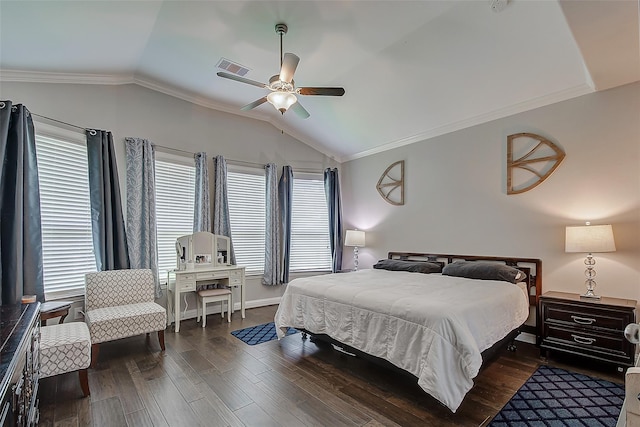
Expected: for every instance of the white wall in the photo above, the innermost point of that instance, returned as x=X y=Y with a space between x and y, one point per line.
x=131 y=110
x=456 y=201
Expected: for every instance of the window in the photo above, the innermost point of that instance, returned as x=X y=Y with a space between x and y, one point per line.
x=175 y=195
x=246 y=195
x=310 y=249
x=67 y=245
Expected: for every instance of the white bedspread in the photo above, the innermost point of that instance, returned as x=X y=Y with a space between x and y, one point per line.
x=430 y=325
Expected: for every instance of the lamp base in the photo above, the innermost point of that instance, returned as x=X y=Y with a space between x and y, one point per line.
x=590 y=297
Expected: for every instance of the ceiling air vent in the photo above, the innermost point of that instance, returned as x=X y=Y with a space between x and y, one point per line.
x=232 y=67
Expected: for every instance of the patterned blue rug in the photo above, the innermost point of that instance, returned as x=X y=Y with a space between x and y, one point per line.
x=553 y=397
x=259 y=333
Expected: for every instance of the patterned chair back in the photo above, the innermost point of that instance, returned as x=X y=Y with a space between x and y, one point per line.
x=118 y=287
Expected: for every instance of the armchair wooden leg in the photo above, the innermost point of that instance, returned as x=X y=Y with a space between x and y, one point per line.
x=84 y=382
x=161 y=339
x=95 y=349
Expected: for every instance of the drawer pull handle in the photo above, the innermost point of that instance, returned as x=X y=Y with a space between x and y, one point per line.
x=583 y=320
x=583 y=340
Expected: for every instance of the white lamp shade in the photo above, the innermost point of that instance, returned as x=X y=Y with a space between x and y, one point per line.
x=590 y=238
x=282 y=100
x=354 y=238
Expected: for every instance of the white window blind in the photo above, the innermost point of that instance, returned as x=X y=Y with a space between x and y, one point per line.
x=175 y=195
x=67 y=244
x=310 y=250
x=246 y=195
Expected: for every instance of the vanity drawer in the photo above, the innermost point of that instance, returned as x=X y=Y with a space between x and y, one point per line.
x=236 y=274
x=186 y=286
x=212 y=275
x=186 y=283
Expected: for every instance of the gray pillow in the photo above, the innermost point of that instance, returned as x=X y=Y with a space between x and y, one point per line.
x=410 y=266
x=484 y=271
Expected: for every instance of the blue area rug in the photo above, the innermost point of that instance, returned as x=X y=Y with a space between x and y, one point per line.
x=260 y=333
x=553 y=397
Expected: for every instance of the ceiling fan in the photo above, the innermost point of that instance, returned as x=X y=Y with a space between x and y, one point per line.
x=283 y=89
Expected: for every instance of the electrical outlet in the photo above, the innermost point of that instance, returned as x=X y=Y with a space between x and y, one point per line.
x=77 y=313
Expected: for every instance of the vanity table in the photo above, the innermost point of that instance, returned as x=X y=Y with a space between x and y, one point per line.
x=181 y=281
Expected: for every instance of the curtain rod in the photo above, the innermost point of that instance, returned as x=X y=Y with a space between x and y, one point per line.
x=232 y=161
x=57 y=121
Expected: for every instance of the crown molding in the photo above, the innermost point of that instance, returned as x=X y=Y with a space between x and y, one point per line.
x=20 y=76
x=500 y=113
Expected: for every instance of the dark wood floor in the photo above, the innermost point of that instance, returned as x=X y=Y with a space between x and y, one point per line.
x=207 y=377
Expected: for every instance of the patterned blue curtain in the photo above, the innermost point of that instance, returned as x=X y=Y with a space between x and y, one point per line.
x=142 y=238
x=285 y=194
x=20 y=226
x=272 y=228
x=221 y=223
x=107 y=223
x=332 y=192
x=202 y=207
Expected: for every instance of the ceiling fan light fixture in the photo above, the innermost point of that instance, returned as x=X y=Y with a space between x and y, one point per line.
x=282 y=100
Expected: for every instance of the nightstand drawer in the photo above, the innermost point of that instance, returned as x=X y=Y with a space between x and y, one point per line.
x=587 y=317
x=607 y=347
x=614 y=343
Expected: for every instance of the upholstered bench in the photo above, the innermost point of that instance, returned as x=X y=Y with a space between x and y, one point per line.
x=213 y=295
x=66 y=348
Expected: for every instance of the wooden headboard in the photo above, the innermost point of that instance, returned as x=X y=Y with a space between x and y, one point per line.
x=531 y=266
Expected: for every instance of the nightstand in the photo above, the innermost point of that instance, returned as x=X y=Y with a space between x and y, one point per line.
x=588 y=328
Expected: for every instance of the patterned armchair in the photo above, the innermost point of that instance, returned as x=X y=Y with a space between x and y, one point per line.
x=120 y=304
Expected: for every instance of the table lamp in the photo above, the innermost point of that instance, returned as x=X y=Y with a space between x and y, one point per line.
x=590 y=238
x=354 y=238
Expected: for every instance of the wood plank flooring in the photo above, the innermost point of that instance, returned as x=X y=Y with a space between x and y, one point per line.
x=207 y=377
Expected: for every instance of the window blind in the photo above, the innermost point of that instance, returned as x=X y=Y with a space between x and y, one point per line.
x=175 y=196
x=310 y=250
x=67 y=244
x=246 y=195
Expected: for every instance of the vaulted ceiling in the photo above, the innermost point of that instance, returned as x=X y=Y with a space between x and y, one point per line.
x=411 y=69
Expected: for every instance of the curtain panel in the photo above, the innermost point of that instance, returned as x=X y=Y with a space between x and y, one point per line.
x=142 y=238
x=285 y=195
x=202 y=206
x=272 y=255
x=221 y=223
x=332 y=192
x=21 y=268
x=107 y=222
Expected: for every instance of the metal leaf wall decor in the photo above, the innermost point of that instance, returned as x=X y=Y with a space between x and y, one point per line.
x=391 y=184
x=535 y=165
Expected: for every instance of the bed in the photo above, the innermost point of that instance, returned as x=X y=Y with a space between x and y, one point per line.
x=434 y=326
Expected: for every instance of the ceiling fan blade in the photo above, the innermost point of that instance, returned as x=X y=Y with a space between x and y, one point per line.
x=299 y=110
x=254 y=104
x=241 y=79
x=326 y=91
x=289 y=65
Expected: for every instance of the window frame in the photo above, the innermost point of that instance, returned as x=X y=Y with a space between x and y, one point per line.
x=257 y=171
x=168 y=157
x=318 y=176
x=77 y=137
